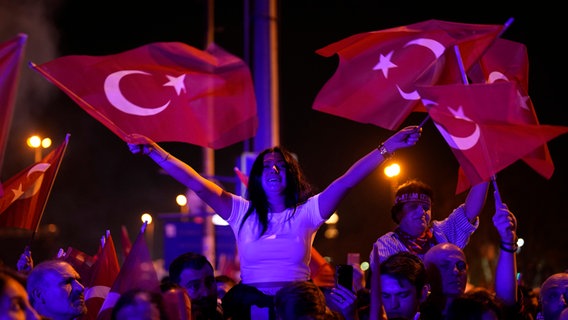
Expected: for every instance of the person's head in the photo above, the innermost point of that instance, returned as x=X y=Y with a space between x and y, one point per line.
x=55 y=290
x=403 y=284
x=14 y=303
x=277 y=171
x=301 y=300
x=224 y=284
x=196 y=274
x=446 y=267
x=139 y=304
x=412 y=207
x=554 y=296
x=177 y=303
x=478 y=304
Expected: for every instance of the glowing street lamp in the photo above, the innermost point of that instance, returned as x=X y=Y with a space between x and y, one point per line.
x=392 y=172
x=181 y=201
x=38 y=143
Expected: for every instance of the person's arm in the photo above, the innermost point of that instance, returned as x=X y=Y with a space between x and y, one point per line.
x=506 y=270
x=376 y=308
x=212 y=194
x=329 y=199
x=475 y=201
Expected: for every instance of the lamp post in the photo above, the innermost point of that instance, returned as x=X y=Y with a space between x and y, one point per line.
x=37 y=143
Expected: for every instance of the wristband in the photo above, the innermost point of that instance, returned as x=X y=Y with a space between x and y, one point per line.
x=510 y=250
x=384 y=152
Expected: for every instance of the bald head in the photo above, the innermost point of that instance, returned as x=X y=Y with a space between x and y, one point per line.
x=446 y=267
x=554 y=295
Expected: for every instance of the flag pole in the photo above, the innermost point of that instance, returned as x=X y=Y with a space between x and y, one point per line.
x=463 y=74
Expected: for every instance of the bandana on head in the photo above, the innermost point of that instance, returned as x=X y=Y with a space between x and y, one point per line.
x=412 y=197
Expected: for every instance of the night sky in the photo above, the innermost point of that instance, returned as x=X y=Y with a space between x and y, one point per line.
x=101 y=185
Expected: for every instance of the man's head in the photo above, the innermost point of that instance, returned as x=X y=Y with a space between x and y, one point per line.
x=446 y=267
x=139 y=304
x=55 y=290
x=195 y=273
x=403 y=284
x=554 y=295
x=412 y=207
x=300 y=300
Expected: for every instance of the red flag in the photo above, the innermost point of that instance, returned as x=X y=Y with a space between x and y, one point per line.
x=125 y=240
x=137 y=271
x=104 y=272
x=11 y=56
x=379 y=71
x=167 y=91
x=27 y=192
x=81 y=261
x=507 y=60
x=476 y=121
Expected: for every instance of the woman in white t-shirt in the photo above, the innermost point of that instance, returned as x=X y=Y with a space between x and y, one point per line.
x=276 y=222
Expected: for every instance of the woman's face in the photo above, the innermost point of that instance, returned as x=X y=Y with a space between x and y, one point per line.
x=274 y=173
x=14 y=304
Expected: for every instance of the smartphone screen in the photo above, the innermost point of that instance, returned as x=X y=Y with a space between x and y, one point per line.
x=344 y=275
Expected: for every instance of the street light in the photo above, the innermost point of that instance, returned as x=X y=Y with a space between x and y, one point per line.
x=392 y=172
x=38 y=143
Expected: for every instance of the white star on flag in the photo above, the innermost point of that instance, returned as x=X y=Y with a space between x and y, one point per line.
x=385 y=64
x=177 y=83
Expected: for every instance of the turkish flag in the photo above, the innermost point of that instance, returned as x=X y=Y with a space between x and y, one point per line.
x=137 y=271
x=81 y=262
x=11 y=56
x=104 y=272
x=26 y=193
x=508 y=60
x=167 y=91
x=479 y=124
x=379 y=71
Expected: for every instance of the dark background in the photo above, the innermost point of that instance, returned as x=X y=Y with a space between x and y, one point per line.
x=101 y=185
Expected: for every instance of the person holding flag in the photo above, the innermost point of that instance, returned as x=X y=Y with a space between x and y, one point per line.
x=276 y=222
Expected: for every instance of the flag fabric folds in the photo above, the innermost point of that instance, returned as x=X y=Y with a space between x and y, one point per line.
x=167 y=91
x=478 y=123
x=81 y=261
x=11 y=56
x=137 y=271
x=26 y=193
x=379 y=71
x=104 y=272
x=508 y=60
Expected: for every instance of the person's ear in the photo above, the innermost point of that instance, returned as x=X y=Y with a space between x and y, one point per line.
x=37 y=295
x=425 y=292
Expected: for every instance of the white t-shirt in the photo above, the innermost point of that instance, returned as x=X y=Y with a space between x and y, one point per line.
x=283 y=251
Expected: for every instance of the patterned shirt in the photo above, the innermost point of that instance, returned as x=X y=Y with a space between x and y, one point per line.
x=455 y=229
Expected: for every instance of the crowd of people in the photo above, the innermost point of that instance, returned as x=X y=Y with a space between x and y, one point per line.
x=418 y=271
